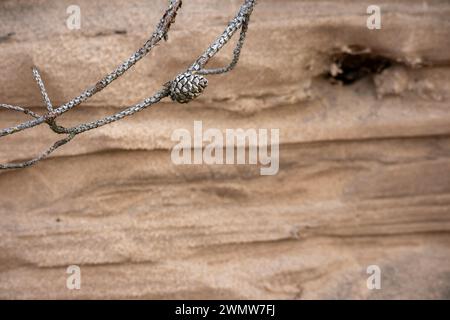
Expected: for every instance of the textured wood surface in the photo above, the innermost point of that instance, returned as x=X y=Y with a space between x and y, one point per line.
x=364 y=168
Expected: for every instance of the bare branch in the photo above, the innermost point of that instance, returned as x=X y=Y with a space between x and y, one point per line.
x=161 y=30
x=193 y=83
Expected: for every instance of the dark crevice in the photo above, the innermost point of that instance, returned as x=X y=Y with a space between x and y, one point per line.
x=109 y=33
x=6 y=37
x=356 y=63
x=121 y=31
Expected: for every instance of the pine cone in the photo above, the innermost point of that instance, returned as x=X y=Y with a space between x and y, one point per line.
x=187 y=86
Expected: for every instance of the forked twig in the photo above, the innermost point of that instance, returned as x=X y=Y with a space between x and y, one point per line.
x=191 y=85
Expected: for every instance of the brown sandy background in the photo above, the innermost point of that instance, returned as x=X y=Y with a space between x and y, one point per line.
x=364 y=170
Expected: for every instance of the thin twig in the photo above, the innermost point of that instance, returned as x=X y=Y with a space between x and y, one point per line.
x=161 y=30
x=235 y=24
x=161 y=94
x=19 y=109
x=40 y=83
x=236 y=53
x=42 y=156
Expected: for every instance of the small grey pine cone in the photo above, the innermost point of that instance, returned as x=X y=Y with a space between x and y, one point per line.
x=187 y=86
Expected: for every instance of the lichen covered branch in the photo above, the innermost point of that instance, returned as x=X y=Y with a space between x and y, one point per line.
x=186 y=87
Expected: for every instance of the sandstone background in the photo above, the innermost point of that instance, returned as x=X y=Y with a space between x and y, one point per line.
x=364 y=171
